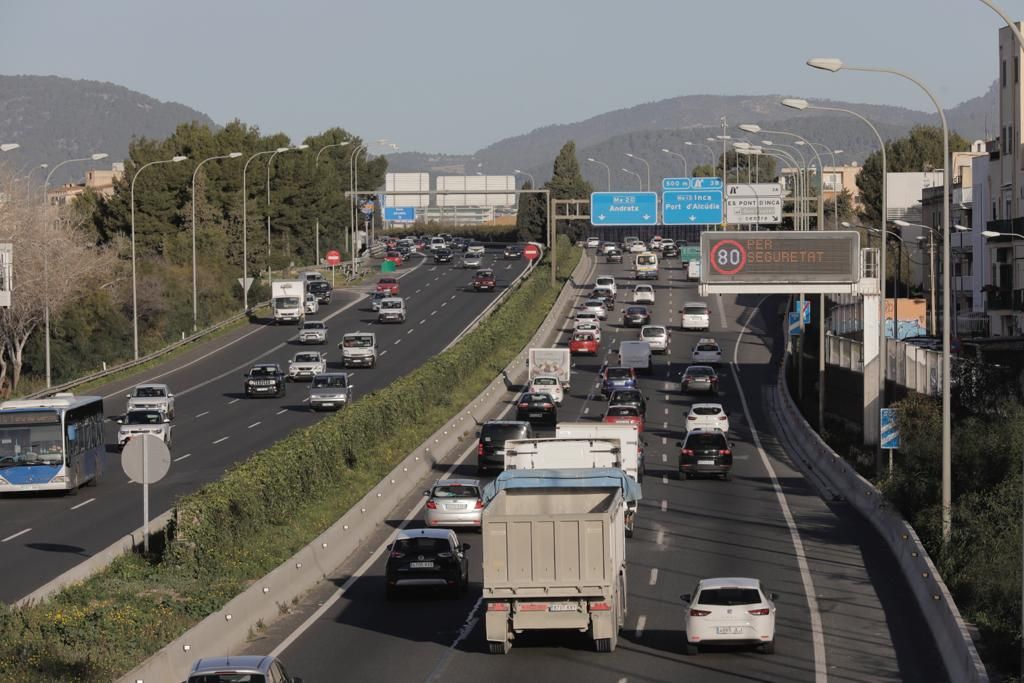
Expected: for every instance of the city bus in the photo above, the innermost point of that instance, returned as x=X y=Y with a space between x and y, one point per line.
x=51 y=444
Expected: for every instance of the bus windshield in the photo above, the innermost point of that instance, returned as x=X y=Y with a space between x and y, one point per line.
x=36 y=444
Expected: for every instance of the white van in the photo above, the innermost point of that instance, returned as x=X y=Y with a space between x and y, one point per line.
x=693 y=271
x=646 y=266
x=636 y=355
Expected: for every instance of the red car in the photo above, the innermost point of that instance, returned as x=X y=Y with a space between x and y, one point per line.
x=624 y=415
x=583 y=342
x=484 y=281
x=389 y=285
x=394 y=257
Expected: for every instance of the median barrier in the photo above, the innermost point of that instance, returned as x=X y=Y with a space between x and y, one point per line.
x=815 y=457
x=227 y=629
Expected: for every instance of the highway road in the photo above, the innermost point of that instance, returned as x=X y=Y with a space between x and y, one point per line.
x=215 y=426
x=844 y=611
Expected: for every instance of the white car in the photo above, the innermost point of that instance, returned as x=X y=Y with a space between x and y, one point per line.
x=593 y=242
x=151 y=397
x=593 y=328
x=476 y=250
x=643 y=294
x=730 y=611
x=313 y=332
x=706 y=352
x=656 y=243
x=547 y=384
x=606 y=247
x=694 y=316
x=638 y=248
x=587 y=316
x=312 y=305
x=597 y=306
x=707 y=416
x=149 y=421
x=606 y=281
x=306 y=365
x=657 y=336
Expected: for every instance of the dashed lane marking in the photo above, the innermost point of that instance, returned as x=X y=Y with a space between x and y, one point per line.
x=283 y=410
x=254 y=424
x=82 y=504
x=182 y=457
x=234 y=400
x=14 y=536
x=205 y=412
x=654 y=577
x=221 y=439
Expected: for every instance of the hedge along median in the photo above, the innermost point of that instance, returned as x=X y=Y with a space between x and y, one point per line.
x=277 y=501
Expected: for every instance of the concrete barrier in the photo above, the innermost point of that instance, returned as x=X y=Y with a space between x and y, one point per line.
x=227 y=629
x=817 y=459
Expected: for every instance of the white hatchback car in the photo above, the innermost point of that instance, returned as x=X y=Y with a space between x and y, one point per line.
x=643 y=294
x=585 y=316
x=593 y=242
x=312 y=305
x=707 y=416
x=733 y=611
x=596 y=306
x=657 y=336
x=706 y=352
x=593 y=328
x=547 y=384
x=606 y=281
x=638 y=248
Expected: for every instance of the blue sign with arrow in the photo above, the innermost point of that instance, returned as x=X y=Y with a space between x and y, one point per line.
x=890 y=430
x=691 y=184
x=692 y=207
x=624 y=208
x=400 y=214
x=807 y=310
x=794 y=323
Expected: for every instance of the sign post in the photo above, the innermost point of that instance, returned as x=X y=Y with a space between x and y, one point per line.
x=145 y=459
x=333 y=258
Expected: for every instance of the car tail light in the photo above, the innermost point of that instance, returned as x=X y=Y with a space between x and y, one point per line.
x=547 y=405
x=699 y=612
x=764 y=611
x=688 y=452
x=397 y=555
x=725 y=451
x=722 y=417
x=524 y=405
x=480 y=450
x=431 y=505
x=600 y=607
x=691 y=418
x=479 y=504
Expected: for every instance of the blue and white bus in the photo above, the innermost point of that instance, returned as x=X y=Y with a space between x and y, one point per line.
x=51 y=444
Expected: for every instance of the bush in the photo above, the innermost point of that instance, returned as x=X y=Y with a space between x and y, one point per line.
x=279 y=499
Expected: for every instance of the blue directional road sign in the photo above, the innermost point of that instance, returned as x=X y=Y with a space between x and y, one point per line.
x=794 y=323
x=890 y=431
x=400 y=214
x=691 y=207
x=807 y=310
x=624 y=208
x=691 y=184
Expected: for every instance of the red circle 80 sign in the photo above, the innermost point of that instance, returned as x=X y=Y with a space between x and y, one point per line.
x=728 y=257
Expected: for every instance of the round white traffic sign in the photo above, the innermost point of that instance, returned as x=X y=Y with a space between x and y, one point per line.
x=152 y=448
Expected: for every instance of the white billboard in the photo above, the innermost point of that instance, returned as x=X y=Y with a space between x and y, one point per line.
x=470 y=183
x=407 y=182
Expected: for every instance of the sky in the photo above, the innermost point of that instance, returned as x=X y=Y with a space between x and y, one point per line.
x=452 y=76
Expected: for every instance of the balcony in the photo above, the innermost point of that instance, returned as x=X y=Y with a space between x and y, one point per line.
x=1000 y=299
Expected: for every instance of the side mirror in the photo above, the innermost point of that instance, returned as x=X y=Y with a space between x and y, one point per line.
x=685 y=597
x=732 y=445
x=167 y=420
x=465 y=546
x=127 y=395
x=773 y=596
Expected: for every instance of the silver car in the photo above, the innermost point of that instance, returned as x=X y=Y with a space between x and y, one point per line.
x=657 y=336
x=330 y=390
x=151 y=397
x=472 y=261
x=306 y=365
x=313 y=332
x=454 y=502
x=240 y=668
x=595 y=306
x=151 y=421
x=376 y=298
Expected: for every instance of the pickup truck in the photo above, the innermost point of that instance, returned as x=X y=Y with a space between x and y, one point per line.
x=151 y=397
x=306 y=365
x=484 y=281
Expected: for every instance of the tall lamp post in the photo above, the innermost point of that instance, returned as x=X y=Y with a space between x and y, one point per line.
x=708 y=148
x=533 y=183
x=316 y=164
x=245 y=226
x=354 y=180
x=633 y=156
x=91 y=157
x=833 y=65
x=28 y=180
x=607 y=168
x=639 y=179
x=270 y=162
x=195 y=288
x=135 y=298
x=677 y=155
x=947 y=278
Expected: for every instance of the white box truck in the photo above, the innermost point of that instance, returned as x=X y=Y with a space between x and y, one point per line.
x=288 y=301
x=550 y=362
x=554 y=554
x=630 y=443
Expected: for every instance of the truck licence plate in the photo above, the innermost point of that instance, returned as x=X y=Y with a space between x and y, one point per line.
x=562 y=607
x=729 y=630
x=421 y=565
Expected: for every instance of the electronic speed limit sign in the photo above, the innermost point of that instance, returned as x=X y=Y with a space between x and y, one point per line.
x=780 y=257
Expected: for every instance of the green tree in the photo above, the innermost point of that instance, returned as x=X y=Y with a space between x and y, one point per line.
x=531 y=216
x=567 y=183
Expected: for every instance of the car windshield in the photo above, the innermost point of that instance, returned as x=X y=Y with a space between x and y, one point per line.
x=606 y=281
x=699 y=372
x=625 y=397
x=263 y=370
x=622 y=411
x=330 y=381
x=539 y=398
x=313 y=326
x=380 y=295
x=706 y=442
x=392 y=254
x=319 y=286
x=37 y=444
x=729 y=596
x=636 y=310
x=545 y=381
x=619 y=373
x=583 y=337
x=707 y=347
x=149 y=392
x=227 y=678
x=387 y=281
x=144 y=417
x=594 y=303
x=653 y=332
x=307 y=358
x=362 y=342
x=456 y=491
x=645 y=260
x=644 y=290
x=706 y=410
x=695 y=310
x=484 y=274
x=500 y=433
x=391 y=304
x=422 y=546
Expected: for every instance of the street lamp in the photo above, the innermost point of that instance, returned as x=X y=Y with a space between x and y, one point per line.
x=606 y=168
x=931 y=258
x=708 y=148
x=316 y=163
x=28 y=180
x=270 y=161
x=195 y=289
x=633 y=156
x=135 y=298
x=638 y=177
x=245 y=226
x=832 y=64
x=92 y=157
x=681 y=158
x=528 y=175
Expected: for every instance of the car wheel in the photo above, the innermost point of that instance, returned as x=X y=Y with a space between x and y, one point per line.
x=769 y=647
x=690 y=649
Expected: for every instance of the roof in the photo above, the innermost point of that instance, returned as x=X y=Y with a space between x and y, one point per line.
x=242 y=663
x=457 y=482
x=707 y=405
x=730 y=582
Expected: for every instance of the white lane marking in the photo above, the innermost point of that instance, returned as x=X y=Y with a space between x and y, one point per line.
x=661 y=537
x=205 y=412
x=221 y=439
x=586 y=410
x=467 y=628
x=453 y=296
x=82 y=504
x=254 y=424
x=654 y=576
x=664 y=457
x=721 y=313
x=640 y=623
x=187 y=455
x=14 y=536
x=664 y=505
x=817 y=634
x=383 y=352
x=397 y=342
x=423 y=321
x=236 y=400
x=418 y=291
x=664 y=441
x=664 y=479
x=443 y=304
x=666 y=411
x=433 y=313
x=283 y=410
x=409 y=332
x=664 y=425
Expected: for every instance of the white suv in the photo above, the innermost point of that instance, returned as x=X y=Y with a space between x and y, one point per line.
x=730 y=611
x=643 y=294
x=694 y=316
x=707 y=416
x=606 y=281
x=706 y=352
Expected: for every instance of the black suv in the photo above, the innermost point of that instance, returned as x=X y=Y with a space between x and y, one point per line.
x=321 y=289
x=443 y=256
x=490 y=451
x=705 y=452
x=513 y=251
x=265 y=379
x=428 y=558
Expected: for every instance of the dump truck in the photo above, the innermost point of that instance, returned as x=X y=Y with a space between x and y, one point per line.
x=554 y=554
